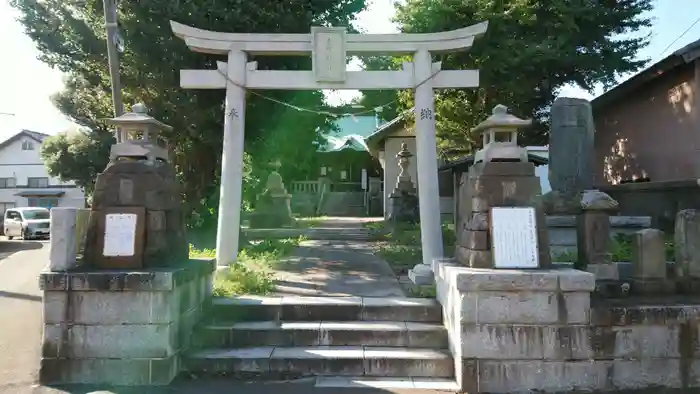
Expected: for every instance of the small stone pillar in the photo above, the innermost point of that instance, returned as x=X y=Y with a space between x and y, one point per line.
x=273 y=208
x=500 y=177
x=649 y=263
x=687 y=248
x=593 y=229
x=404 y=200
x=68 y=229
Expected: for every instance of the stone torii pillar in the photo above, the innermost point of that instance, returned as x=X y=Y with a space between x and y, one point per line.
x=329 y=48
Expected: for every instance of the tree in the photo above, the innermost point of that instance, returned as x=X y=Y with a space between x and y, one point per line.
x=531 y=49
x=70 y=36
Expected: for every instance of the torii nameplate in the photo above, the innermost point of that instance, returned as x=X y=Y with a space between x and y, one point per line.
x=328 y=53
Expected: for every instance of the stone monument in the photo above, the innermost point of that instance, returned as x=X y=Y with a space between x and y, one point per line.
x=126 y=314
x=404 y=200
x=500 y=177
x=273 y=208
x=136 y=218
x=570 y=155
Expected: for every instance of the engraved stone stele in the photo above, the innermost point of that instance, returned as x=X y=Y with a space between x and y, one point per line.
x=273 y=207
x=404 y=200
x=593 y=228
x=570 y=155
x=140 y=180
x=500 y=177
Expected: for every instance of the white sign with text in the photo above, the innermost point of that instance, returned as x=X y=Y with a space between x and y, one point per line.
x=120 y=234
x=514 y=237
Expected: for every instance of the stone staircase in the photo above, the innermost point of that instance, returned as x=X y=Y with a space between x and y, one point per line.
x=315 y=233
x=351 y=204
x=340 y=341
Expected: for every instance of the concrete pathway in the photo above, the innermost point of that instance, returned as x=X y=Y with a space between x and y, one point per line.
x=336 y=268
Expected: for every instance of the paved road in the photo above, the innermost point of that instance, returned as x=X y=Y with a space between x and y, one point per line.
x=20 y=312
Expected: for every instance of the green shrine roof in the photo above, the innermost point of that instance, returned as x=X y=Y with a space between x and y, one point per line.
x=351 y=134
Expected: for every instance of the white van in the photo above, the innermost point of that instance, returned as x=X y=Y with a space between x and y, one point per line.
x=27 y=222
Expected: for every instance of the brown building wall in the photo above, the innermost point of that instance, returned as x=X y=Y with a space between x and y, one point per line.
x=653 y=133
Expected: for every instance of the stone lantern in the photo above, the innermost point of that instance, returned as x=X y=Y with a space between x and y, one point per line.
x=138 y=136
x=136 y=218
x=500 y=137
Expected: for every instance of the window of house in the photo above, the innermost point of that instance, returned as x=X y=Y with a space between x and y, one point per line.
x=38 y=182
x=27 y=145
x=6 y=183
x=4 y=206
x=44 y=202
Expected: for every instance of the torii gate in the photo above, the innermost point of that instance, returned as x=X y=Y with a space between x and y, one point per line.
x=328 y=47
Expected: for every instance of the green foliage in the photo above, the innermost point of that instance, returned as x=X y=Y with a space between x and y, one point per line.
x=77 y=156
x=70 y=36
x=239 y=279
x=402 y=249
x=250 y=273
x=531 y=49
x=429 y=291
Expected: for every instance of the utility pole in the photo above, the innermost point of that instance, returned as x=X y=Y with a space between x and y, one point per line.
x=112 y=27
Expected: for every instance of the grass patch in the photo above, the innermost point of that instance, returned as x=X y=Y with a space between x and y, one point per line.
x=422 y=291
x=310 y=222
x=401 y=258
x=250 y=274
x=402 y=246
x=621 y=250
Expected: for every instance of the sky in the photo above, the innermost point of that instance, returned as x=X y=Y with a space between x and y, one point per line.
x=26 y=83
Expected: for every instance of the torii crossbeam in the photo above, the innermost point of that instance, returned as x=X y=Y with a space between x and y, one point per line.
x=329 y=48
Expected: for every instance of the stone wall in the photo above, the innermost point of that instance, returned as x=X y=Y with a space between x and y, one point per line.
x=562 y=230
x=514 y=331
x=120 y=328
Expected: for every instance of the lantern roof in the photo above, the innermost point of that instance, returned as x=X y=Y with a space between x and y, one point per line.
x=501 y=119
x=138 y=116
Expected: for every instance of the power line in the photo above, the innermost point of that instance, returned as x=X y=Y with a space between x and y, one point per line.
x=681 y=36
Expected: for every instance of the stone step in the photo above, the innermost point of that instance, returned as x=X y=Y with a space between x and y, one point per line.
x=264 y=362
x=297 y=334
x=319 y=309
x=387 y=383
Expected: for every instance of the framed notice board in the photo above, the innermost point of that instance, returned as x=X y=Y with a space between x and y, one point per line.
x=121 y=238
x=514 y=237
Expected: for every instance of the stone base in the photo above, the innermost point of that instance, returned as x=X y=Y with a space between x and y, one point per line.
x=271 y=220
x=496 y=316
x=652 y=286
x=421 y=275
x=120 y=327
x=604 y=271
x=690 y=286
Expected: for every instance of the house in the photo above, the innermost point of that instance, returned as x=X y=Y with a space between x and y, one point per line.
x=648 y=127
x=24 y=179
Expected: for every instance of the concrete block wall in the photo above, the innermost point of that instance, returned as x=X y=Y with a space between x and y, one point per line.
x=514 y=331
x=120 y=328
x=562 y=230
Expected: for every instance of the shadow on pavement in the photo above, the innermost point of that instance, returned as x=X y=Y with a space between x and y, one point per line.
x=7 y=246
x=207 y=386
x=19 y=296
